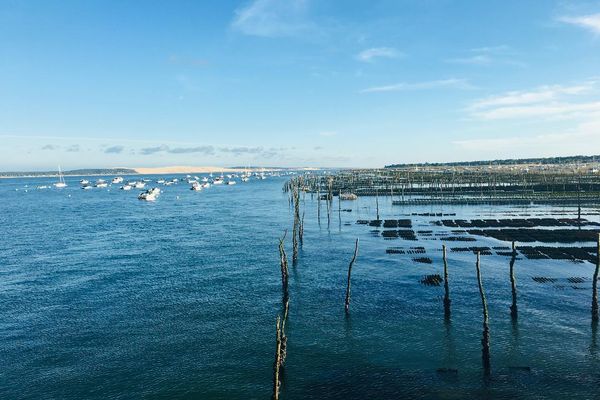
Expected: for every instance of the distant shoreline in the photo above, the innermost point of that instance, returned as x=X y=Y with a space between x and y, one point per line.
x=174 y=170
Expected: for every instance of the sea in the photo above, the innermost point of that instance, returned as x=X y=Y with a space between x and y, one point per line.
x=104 y=296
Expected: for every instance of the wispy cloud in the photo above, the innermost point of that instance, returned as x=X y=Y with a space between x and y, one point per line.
x=152 y=150
x=369 y=55
x=73 y=148
x=556 y=101
x=49 y=147
x=579 y=140
x=242 y=150
x=207 y=150
x=114 y=150
x=485 y=56
x=452 y=83
x=590 y=22
x=272 y=18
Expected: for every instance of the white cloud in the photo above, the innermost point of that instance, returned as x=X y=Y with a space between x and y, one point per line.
x=492 y=49
x=485 y=56
x=437 y=84
x=581 y=140
x=554 y=101
x=272 y=18
x=369 y=55
x=590 y=22
x=552 y=110
x=577 y=105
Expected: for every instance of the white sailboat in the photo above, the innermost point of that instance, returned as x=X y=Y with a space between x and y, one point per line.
x=61 y=180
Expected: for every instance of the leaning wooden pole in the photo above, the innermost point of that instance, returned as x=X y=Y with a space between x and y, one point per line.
x=301 y=230
x=447 y=300
x=347 y=302
x=485 y=340
x=283 y=261
x=513 y=283
x=296 y=227
x=377 y=203
x=277 y=362
x=595 y=284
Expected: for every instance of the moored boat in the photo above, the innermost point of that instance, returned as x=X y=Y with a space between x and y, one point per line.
x=61 y=180
x=150 y=194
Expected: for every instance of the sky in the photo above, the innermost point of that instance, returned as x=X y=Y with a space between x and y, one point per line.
x=344 y=83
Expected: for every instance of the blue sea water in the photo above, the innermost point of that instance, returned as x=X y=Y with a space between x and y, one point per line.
x=103 y=296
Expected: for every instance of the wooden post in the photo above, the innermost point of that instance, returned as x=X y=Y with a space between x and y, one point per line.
x=579 y=202
x=595 y=284
x=485 y=340
x=277 y=363
x=513 y=283
x=377 y=202
x=447 y=300
x=319 y=204
x=283 y=264
x=296 y=227
x=347 y=303
x=301 y=230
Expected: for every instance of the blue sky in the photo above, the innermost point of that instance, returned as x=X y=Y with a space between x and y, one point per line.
x=296 y=82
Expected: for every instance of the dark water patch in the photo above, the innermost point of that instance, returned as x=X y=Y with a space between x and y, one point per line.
x=574 y=254
x=423 y=260
x=406 y=234
x=515 y=223
x=416 y=250
x=482 y=250
x=397 y=223
x=434 y=214
x=460 y=239
x=539 y=235
x=432 y=280
x=543 y=279
x=395 y=250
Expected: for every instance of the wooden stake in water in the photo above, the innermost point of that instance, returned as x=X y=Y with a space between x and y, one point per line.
x=301 y=230
x=377 y=203
x=319 y=205
x=347 y=303
x=579 y=201
x=296 y=226
x=286 y=296
x=277 y=362
x=513 y=283
x=447 y=300
x=485 y=340
x=283 y=263
x=595 y=284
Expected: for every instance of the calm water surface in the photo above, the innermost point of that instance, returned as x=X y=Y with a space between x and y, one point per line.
x=103 y=296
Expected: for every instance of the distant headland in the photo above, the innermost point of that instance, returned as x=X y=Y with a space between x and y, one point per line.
x=142 y=171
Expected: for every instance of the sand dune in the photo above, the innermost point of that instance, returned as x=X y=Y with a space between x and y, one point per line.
x=183 y=170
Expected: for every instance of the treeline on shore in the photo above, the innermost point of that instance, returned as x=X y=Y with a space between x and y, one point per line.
x=512 y=161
